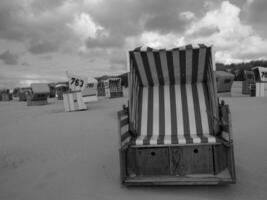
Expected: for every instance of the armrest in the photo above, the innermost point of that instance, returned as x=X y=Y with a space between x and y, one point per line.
x=123 y=127
x=226 y=123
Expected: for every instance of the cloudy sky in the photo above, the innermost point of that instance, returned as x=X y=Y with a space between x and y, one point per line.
x=41 y=39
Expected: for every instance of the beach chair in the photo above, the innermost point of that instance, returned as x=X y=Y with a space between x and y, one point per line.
x=39 y=94
x=224 y=82
x=174 y=131
x=113 y=88
x=249 y=81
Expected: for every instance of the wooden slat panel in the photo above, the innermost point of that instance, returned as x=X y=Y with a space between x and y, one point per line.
x=153 y=161
x=191 y=160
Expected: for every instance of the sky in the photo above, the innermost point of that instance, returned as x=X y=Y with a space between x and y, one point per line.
x=42 y=39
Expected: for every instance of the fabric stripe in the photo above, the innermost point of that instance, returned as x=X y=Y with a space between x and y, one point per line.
x=198 y=117
x=188 y=65
x=161 y=112
x=139 y=140
x=140 y=68
x=179 y=110
x=147 y=139
x=196 y=138
x=195 y=65
x=167 y=110
x=211 y=139
x=167 y=139
x=196 y=109
x=182 y=67
x=160 y=139
x=152 y=67
x=170 y=67
x=158 y=67
x=176 y=66
x=153 y=139
x=191 y=113
x=173 y=111
x=140 y=110
x=185 y=111
x=147 y=68
x=181 y=139
x=205 y=79
x=156 y=111
x=135 y=68
x=150 y=112
x=174 y=139
x=144 y=111
x=164 y=67
x=203 y=109
x=205 y=89
x=201 y=64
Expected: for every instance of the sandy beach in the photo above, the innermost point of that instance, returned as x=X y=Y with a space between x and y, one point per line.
x=46 y=153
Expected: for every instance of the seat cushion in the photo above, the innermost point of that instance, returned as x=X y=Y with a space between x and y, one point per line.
x=174 y=114
x=174 y=139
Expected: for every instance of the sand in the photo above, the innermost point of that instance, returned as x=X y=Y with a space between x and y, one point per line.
x=49 y=154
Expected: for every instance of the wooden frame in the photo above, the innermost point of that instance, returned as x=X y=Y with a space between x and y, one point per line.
x=217 y=165
x=37 y=99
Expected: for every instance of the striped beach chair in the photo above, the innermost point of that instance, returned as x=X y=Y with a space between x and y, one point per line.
x=38 y=95
x=174 y=130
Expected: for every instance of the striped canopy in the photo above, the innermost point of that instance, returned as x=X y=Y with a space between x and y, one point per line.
x=172 y=95
x=188 y=64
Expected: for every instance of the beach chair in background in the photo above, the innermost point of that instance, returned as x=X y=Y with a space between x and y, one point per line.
x=89 y=93
x=174 y=131
x=224 y=82
x=257 y=89
x=5 y=95
x=22 y=93
x=248 y=82
x=73 y=98
x=61 y=87
x=113 y=88
x=38 y=95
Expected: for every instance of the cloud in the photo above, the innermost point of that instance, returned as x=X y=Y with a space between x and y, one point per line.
x=157 y=40
x=233 y=40
x=84 y=26
x=40 y=47
x=187 y=15
x=9 y=58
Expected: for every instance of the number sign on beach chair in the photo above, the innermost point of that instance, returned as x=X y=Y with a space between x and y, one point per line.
x=73 y=100
x=175 y=131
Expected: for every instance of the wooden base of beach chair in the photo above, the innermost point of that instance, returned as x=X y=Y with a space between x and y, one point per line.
x=37 y=103
x=177 y=165
x=73 y=101
x=116 y=94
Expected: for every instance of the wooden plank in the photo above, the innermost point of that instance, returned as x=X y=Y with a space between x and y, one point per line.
x=122 y=156
x=191 y=160
x=152 y=161
x=131 y=169
x=205 y=179
x=231 y=162
x=220 y=158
